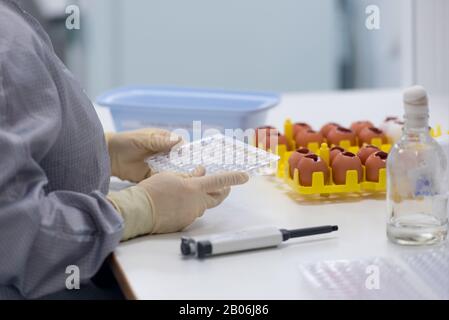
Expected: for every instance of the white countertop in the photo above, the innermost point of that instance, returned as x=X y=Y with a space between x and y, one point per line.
x=153 y=268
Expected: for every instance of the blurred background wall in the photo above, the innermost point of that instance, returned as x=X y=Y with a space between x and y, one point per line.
x=254 y=44
x=282 y=45
x=431 y=45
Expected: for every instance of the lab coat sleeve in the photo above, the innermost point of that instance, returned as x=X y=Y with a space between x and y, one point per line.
x=43 y=233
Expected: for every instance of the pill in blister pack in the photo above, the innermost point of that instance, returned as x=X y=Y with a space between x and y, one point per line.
x=217 y=153
x=433 y=268
x=375 y=278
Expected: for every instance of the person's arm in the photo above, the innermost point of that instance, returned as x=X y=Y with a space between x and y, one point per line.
x=41 y=234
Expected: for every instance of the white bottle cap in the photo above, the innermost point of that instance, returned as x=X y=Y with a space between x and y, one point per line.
x=416 y=105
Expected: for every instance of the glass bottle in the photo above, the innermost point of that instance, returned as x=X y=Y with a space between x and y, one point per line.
x=417 y=185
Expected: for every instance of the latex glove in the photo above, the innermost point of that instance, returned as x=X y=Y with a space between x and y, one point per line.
x=168 y=202
x=128 y=150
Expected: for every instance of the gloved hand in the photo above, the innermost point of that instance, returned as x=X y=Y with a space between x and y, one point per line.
x=128 y=150
x=169 y=202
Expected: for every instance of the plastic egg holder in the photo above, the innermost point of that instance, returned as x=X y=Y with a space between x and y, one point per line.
x=323 y=151
x=318 y=185
x=437 y=132
x=315 y=147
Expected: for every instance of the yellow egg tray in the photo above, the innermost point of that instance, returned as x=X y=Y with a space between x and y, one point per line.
x=436 y=132
x=323 y=151
x=315 y=147
x=319 y=187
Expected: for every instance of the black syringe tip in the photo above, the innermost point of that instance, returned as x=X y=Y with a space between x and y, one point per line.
x=297 y=233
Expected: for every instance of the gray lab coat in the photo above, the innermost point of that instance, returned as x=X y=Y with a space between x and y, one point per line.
x=54 y=167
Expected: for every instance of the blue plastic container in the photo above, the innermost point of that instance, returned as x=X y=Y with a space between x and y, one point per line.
x=177 y=108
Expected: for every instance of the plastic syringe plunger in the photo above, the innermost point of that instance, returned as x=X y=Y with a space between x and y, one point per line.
x=243 y=240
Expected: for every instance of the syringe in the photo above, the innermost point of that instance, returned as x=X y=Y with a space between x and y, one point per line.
x=249 y=239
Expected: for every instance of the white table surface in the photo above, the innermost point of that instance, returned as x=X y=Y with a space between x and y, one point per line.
x=152 y=267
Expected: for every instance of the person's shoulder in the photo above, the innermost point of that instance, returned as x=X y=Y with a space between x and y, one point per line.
x=16 y=30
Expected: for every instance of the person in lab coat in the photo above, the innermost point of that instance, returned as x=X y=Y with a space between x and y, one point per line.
x=55 y=167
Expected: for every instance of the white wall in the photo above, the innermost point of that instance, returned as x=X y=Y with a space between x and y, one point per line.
x=431 y=61
x=377 y=54
x=101 y=36
x=284 y=45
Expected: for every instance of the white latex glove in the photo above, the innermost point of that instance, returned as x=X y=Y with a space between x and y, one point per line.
x=128 y=150
x=169 y=202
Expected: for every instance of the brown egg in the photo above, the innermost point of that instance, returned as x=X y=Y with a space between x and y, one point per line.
x=368 y=134
x=339 y=134
x=284 y=141
x=295 y=157
x=391 y=118
x=334 y=151
x=308 y=165
x=303 y=138
x=328 y=127
x=263 y=132
x=374 y=163
x=388 y=122
x=344 y=162
x=366 y=151
x=358 y=126
x=271 y=141
x=300 y=126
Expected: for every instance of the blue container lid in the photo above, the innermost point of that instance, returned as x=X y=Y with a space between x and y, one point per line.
x=188 y=99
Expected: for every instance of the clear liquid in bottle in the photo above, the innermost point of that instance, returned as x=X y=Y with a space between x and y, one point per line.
x=417 y=197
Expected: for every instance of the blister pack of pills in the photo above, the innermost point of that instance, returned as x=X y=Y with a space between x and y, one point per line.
x=366 y=279
x=433 y=267
x=217 y=153
x=421 y=274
